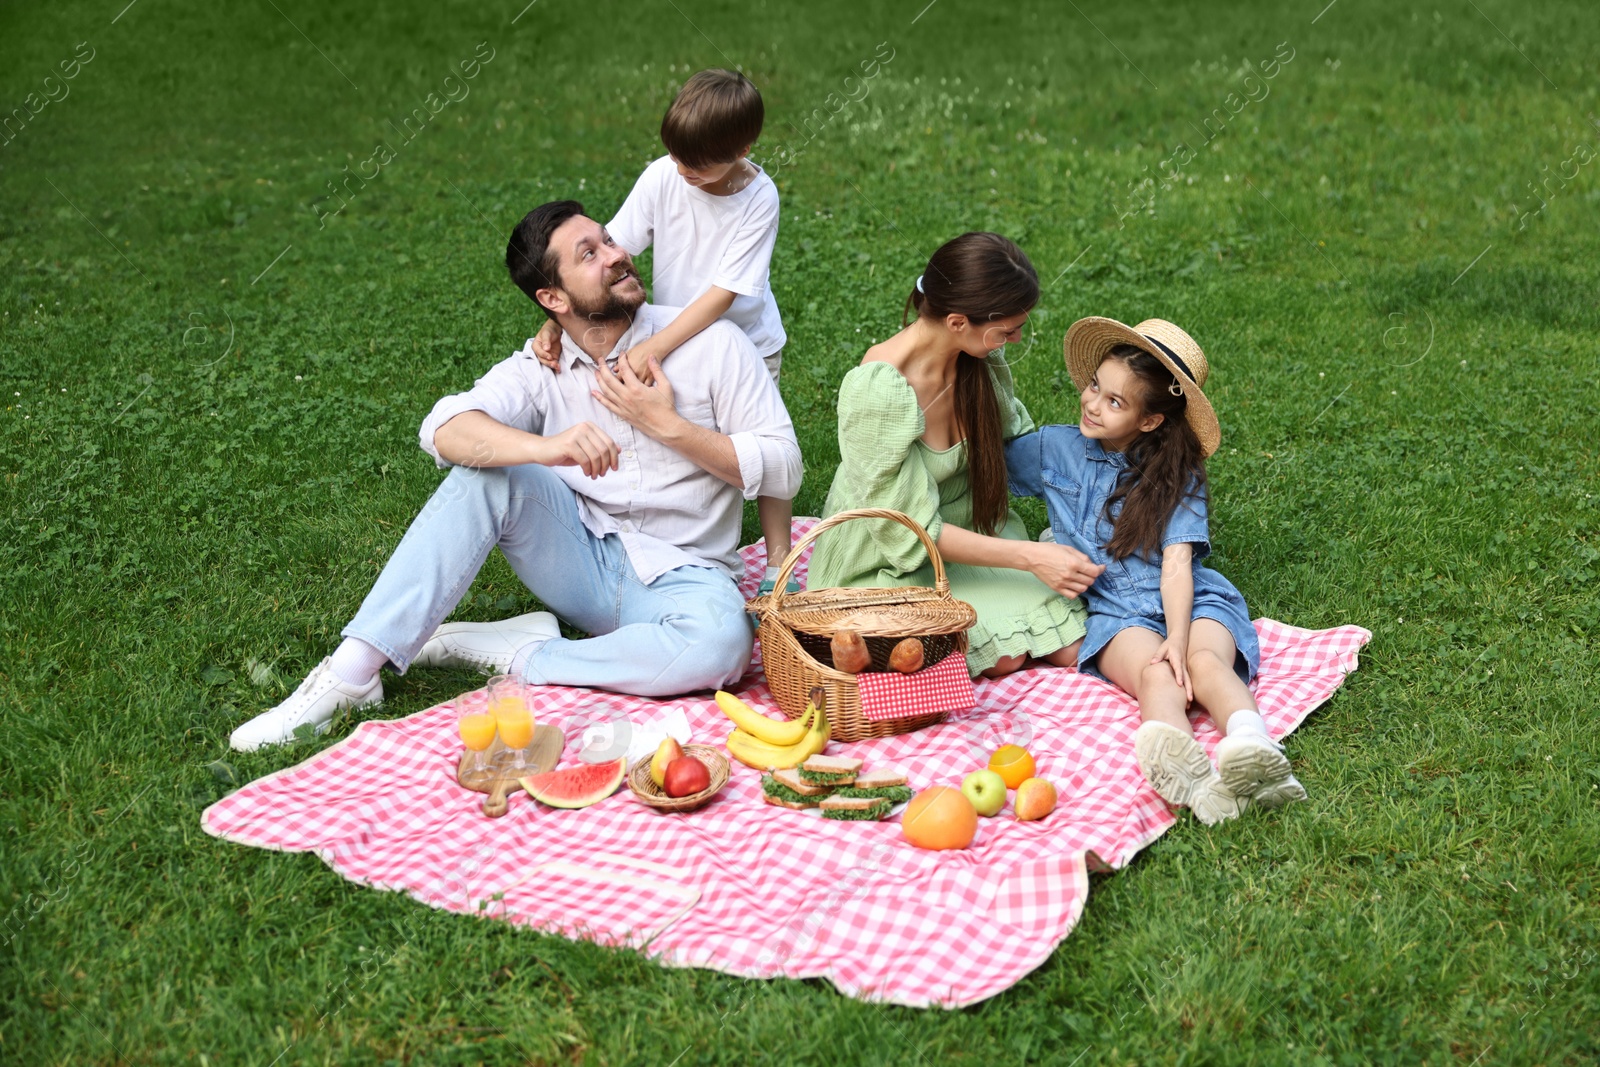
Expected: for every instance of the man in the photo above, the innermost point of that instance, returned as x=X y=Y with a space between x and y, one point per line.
x=616 y=502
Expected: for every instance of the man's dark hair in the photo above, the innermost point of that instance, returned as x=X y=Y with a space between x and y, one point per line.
x=533 y=264
x=715 y=116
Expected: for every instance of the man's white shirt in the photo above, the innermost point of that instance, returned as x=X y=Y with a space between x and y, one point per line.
x=668 y=510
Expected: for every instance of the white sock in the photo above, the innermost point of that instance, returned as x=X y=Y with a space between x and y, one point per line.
x=771 y=575
x=356 y=662
x=1245 y=721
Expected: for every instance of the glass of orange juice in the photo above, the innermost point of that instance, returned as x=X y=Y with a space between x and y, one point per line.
x=476 y=723
x=510 y=702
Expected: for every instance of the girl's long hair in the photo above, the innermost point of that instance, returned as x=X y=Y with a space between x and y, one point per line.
x=985 y=277
x=1165 y=464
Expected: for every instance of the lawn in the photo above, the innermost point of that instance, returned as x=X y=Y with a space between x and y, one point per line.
x=213 y=370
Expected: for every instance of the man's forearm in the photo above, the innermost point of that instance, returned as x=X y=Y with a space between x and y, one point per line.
x=710 y=450
x=474 y=439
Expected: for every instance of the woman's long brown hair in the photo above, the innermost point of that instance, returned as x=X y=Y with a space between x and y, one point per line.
x=1165 y=464
x=985 y=277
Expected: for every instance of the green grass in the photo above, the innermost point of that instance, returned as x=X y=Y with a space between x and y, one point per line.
x=1409 y=446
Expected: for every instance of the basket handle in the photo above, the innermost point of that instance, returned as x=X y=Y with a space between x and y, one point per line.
x=941 y=584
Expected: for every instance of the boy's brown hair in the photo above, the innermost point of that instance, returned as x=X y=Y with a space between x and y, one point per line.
x=715 y=116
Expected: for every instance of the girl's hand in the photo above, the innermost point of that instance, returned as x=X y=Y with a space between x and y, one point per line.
x=1176 y=654
x=547 y=345
x=1063 y=568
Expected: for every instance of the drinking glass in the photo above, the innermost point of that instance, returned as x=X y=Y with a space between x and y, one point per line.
x=477 y=727
x=509 y=700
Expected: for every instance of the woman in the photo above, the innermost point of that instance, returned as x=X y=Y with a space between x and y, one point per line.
x=923 y=423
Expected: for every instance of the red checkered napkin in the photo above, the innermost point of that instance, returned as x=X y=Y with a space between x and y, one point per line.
x=946 y=686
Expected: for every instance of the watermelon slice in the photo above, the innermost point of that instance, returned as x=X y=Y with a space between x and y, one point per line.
x=577 y=787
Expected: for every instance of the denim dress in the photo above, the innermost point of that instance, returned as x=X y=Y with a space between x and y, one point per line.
x=1075 y=477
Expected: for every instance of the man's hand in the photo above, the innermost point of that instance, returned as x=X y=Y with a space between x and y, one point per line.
x=1063 y=568
x=547 y=345
x=649 y=408
x=584 y=445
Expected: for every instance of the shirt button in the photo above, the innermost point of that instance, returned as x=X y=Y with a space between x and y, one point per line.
x=627 y=527
x=627 y=453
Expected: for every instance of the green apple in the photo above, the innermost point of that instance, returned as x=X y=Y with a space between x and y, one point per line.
x=986 y=790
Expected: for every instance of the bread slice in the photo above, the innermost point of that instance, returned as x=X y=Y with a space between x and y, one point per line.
x=830 y=770
x=795 y=805
x=855 y=808
x=880 y=778
x=791 y=778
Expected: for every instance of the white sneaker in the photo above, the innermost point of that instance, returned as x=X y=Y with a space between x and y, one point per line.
x=1253 y=765
x=313 y=704
x=1180 y=772
x=1213 y=802
x=485 y=646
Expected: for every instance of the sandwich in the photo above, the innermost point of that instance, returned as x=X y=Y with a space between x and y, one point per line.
x=830 y=770
x=780 y=795
x=888 y=783
x=863 y=809
x=790 y=777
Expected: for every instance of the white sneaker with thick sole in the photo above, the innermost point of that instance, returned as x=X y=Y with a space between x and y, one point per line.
x=485 y=646
x=1253 y=765
x=1178 y=769
x=314 y=704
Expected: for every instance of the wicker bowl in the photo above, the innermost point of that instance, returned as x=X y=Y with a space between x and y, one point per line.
x=648 y=793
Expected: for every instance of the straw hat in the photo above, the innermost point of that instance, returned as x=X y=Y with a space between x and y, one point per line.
x=1088 y=341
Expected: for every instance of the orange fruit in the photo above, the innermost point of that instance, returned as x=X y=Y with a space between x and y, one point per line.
x=940 y=818
x=1012 y=763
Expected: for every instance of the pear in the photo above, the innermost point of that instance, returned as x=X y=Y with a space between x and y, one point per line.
x=666 y=752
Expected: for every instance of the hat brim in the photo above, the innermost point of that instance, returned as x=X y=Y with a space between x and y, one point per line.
x=1090 y=339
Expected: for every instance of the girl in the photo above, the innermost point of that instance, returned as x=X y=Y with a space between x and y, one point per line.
x=1127 y=486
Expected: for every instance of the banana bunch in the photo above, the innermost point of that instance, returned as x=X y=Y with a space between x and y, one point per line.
x=758 y=726
x=765 y=744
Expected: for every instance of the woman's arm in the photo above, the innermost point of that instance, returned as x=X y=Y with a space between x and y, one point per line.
x=1177 y=603
x=1061 y=567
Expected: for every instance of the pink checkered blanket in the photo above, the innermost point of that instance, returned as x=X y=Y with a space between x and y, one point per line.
x=758 y=891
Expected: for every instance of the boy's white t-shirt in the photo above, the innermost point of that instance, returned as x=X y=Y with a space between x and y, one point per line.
x=703 y=240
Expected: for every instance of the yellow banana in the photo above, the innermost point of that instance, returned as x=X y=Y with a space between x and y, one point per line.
x=759 y=726
x=753 y=752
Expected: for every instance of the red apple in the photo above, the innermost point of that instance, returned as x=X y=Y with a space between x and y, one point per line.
x=686 y=775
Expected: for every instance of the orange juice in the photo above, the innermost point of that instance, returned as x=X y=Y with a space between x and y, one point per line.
x=511 y=714
x=477 y=731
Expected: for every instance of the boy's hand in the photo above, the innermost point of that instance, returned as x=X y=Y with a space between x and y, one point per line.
x=640 y=357
x=547 y=345
x=1176 y=654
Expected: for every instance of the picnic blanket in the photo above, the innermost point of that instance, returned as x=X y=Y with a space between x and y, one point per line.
x=758 y=891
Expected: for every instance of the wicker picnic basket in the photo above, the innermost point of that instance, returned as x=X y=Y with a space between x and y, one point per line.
x=797 y=628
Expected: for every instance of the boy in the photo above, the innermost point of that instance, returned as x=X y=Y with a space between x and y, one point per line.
x=712 y=216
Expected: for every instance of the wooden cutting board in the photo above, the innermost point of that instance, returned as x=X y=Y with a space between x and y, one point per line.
x=543 y=753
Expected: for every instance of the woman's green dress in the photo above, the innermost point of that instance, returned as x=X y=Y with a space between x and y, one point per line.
x=885 y=464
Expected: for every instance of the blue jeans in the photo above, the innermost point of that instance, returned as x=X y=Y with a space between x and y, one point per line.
x=684 y=631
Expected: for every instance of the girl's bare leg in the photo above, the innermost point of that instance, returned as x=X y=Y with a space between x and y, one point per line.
x=1126 y=662
x=1216 y=687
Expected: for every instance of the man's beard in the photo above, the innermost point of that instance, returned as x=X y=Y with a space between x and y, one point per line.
x=611 y=307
